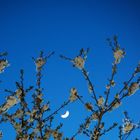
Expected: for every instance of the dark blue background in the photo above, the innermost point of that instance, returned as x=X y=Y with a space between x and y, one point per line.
x=26 y=27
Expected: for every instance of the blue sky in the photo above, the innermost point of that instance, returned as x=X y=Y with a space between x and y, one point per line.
x=26 y=27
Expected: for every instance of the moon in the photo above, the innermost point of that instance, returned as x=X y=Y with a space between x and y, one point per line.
x=64 y=116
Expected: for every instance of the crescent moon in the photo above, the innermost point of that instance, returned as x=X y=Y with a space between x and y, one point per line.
x=64 y=116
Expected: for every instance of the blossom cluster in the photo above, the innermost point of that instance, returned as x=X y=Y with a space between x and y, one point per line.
x=3 y=64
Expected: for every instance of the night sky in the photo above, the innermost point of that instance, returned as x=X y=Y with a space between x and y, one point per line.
x=66 y=26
